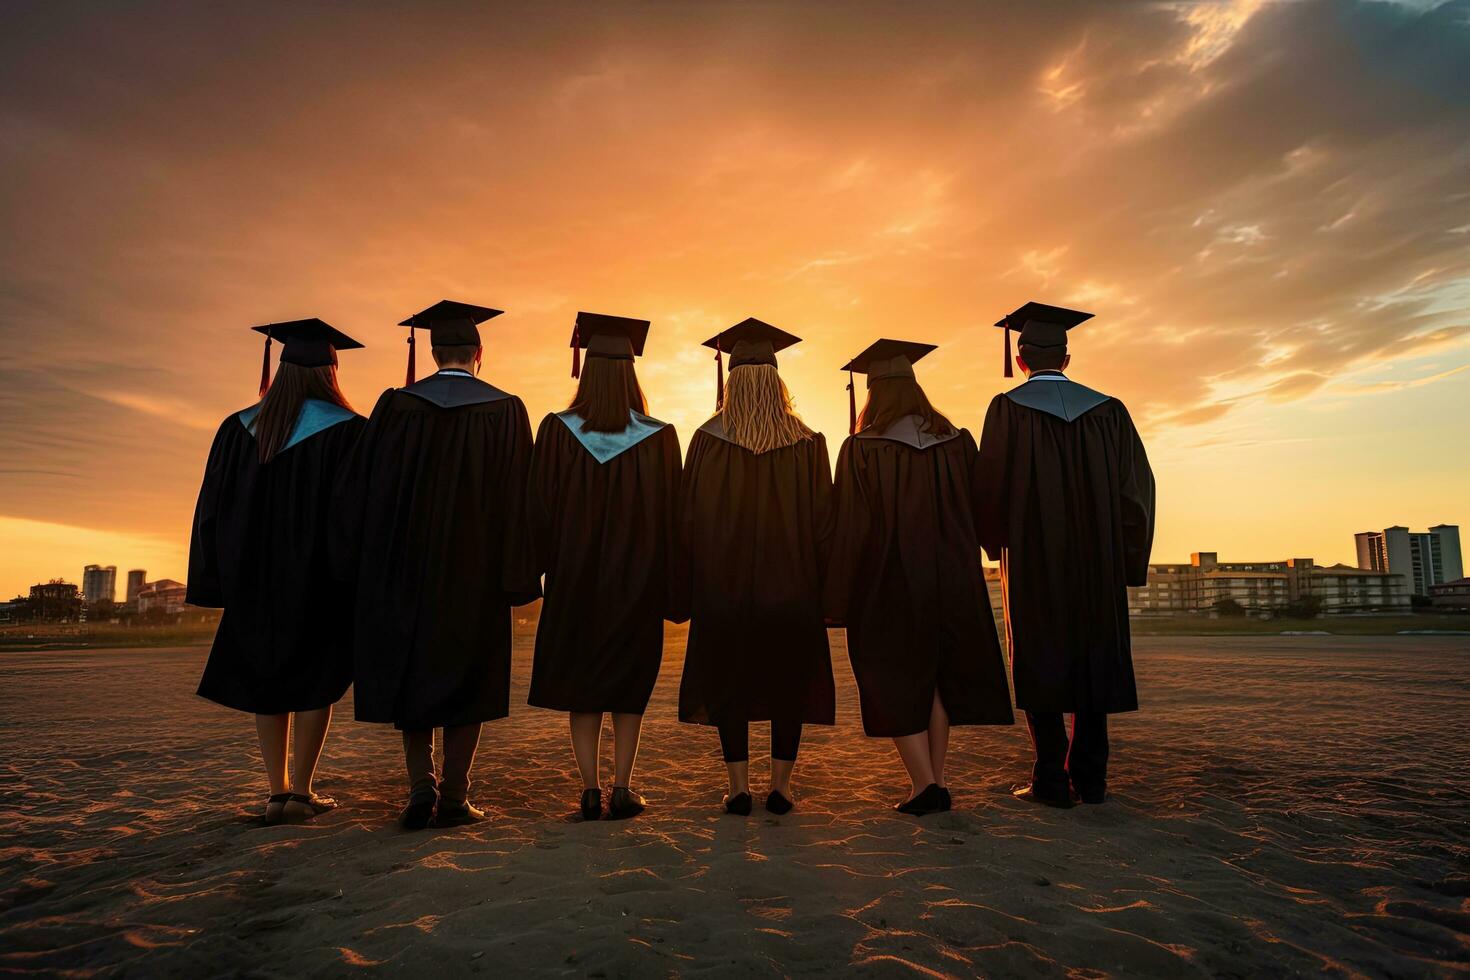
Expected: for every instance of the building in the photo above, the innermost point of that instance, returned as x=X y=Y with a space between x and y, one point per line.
x=164 y=596
x=55 y=602
x=137 y=582
x=1451 y=595
x=1424 y=558
x=99 y=584
x=1209 y=586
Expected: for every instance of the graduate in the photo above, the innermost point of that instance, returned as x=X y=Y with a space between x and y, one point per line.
x=906 y=577
x=259 y=552
x=1065 y=502
x=432 y=534
x=602 y=502
x=756 y=524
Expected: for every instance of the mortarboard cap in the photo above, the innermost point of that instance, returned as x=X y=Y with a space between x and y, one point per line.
x=750 y=341
x=617 y=337
x=307 y=343
x=1040 y=325
x=450 y=324
x=883 y=359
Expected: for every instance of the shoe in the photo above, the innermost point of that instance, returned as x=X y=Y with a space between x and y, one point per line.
x=739 y=804
x=457 y=813
x=1030 y=795
x=931 y=800
x=946 y=800
x=625 y=803
x=778 y=804
x=301 y=807
x=1092 y=797
x=420 y=811
x=275 y=808
x=592 y=803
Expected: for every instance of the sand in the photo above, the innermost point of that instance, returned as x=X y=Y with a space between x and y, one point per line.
x=1281 y=805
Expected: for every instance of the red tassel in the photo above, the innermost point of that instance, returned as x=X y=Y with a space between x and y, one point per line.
x=1009 y=372
x=851 y=406
x=576 y=352
x=411 y=371
x=265 y=368
x=719 y=377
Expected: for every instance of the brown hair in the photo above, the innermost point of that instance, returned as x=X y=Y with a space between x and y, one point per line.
x=1043 y=358
x=289 y=390
x=890 y=399
x=757 y=410
x=607 y=392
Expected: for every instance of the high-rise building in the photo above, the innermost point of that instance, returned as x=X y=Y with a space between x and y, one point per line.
x=99 y=584
x=1424 y=558
x=137 y=582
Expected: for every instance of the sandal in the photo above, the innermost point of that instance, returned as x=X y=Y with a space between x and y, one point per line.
x=314 y=806
x=275 y=808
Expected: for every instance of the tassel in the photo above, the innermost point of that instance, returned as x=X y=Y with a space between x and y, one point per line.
x=265 y=367
x=1009 y=372
x=411 y=371
x=576 y=352
x=851 y=407
x=719 y=377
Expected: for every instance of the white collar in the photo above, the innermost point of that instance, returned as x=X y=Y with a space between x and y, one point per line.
x=458 y=371
x=1050 y=376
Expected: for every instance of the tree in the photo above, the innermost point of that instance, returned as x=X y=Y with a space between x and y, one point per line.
x=1229 y=608
x=1303 y=607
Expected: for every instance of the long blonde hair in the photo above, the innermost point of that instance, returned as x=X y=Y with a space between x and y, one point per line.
x=757 y=410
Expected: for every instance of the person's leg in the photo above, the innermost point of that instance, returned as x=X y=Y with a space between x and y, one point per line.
x=735 y=747
x=460 y=743
x=272 y=731
x=627 y=728
x=1049 y=738
x=586 y=734
x=306 y=746
x=1087 y=759
x=785 y=743
x=938 y=738
x=418 y=756
x=914 y=751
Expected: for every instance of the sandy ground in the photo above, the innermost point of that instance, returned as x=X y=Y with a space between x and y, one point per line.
x=1282 y=805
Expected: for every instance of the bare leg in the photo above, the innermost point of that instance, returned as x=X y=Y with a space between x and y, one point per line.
x=586 y=736
x=781 y=776
x=938 y=738
x=306 y=746
x=273 y=730
x=739 y=776
x=915 y=752
x=626 y=730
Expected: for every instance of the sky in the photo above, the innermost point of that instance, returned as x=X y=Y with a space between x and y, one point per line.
x=1267 y=206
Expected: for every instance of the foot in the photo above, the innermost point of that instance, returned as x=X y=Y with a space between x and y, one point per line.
x=275 y=807
x=457 y=813
x=946 y=799
x=1092 y=797
x=777 y=803
x=625 y=803
x=301 y=807
x=1031 y=794
x=591 y=803
x=928 y=800
x=419 y=812
x=739 y=804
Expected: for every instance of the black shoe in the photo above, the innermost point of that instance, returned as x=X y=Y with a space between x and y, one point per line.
x=931 y=800
x=419 y=812
x=457 y=813
x=625 y=803
x=1091 y=797
x=592 y=804
x=1031 y=795
x=946 y=800
x=778 y=804
x=739 y=804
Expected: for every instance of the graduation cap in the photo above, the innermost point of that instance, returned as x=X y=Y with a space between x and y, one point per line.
x=308 y=343
x=750 y=341
x=883 y=359
x=617 y=337
x=450 y=324
x=1040 y=326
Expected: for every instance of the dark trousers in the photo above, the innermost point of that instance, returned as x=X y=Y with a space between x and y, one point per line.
x=785 y=740
x=460 y=742
x=1082 y=761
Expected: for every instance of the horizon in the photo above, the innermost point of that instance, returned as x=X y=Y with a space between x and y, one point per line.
x=1263 y=204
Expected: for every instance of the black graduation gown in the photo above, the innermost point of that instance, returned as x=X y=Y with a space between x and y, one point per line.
x=432 y=532
x=601 y=507
x=259 y=551
x=907 y=581
x=756 y=530
x=1065 y=499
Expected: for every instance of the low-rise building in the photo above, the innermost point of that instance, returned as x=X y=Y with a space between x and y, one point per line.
x=165 y=596
x=1451 y=595
x=1209 y=586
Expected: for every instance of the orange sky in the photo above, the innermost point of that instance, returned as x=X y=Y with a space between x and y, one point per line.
x=1265 y=205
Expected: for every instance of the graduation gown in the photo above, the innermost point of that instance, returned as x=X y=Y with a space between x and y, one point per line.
x=259 y=551
x=756 y=529
x=1065 y=500
x=907 y=581
x=432 y=532
x=601 y=507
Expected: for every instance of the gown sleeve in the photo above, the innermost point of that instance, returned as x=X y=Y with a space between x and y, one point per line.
x=541 y=495
x=824 y=514
x=1136 y=496
x=991 y=519
x=519 y=579
x=672 y=479
x=349 y=497
x=852 y=523
x=204 y=586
